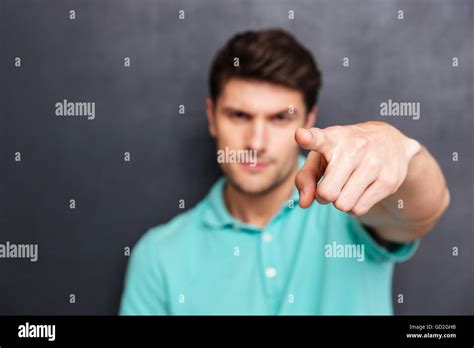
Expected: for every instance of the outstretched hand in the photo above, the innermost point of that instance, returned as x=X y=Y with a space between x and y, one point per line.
x=359 y=164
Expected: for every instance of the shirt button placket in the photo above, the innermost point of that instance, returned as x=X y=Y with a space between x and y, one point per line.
x=269 y=266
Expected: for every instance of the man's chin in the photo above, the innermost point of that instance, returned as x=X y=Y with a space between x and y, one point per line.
x=251 y=188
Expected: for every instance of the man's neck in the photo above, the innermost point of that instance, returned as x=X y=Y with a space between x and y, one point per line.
x=258 y=210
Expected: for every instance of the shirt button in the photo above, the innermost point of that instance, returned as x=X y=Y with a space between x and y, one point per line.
x=270 y=272
x=267 y=237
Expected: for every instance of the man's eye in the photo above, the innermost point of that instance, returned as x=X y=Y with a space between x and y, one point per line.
x=281 y=117
x=240 y=115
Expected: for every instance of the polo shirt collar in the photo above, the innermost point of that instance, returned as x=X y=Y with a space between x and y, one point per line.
x=216 y=214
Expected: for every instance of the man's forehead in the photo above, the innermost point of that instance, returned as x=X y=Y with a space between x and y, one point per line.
x=259 y=97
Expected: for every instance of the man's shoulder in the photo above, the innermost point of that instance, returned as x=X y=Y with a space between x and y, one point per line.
x=174 y=235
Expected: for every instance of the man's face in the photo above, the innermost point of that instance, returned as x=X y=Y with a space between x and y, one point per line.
x=260 y=116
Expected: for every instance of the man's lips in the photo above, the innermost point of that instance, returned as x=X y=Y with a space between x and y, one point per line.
x=254 y=167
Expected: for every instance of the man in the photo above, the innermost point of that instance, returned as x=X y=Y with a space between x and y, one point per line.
x=258 y=244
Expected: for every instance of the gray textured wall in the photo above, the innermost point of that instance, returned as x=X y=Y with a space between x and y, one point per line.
x=81 y=250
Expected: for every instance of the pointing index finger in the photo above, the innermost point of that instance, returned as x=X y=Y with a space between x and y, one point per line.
x=313 y=139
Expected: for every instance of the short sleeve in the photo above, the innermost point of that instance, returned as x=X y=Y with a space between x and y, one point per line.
x=396 y=252
x=144 y=289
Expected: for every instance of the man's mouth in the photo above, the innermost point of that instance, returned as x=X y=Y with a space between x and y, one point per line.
x=255 y=166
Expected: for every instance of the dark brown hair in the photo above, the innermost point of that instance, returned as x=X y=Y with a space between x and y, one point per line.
x=271 y=55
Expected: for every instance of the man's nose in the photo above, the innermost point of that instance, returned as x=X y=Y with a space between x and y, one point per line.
x=258 y=135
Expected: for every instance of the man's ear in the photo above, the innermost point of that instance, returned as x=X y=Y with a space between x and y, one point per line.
x=311 y=117
x=211 y=118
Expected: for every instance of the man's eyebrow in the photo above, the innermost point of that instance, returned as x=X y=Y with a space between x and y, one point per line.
x=229 y=109
x=286 y=111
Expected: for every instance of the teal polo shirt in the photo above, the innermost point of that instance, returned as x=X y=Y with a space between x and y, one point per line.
x=315 y=261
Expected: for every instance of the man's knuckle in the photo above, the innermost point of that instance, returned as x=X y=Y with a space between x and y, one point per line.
x=388 y=182
x=373 y=162
x=359 y=143
x=343 y=204
x=360 y=209
x=327 y=193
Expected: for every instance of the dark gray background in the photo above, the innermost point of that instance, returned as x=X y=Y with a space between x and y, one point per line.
x=81 y=250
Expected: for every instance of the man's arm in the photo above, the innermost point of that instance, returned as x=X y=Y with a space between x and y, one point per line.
x=413 y=210
x=372 y=170
x=144 y=292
